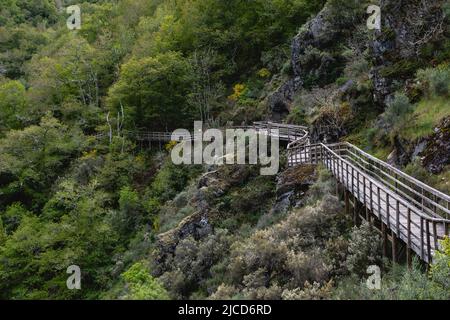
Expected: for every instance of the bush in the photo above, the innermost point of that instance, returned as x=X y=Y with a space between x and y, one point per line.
x=130 y=213
x=324 y=185
x=364 y=249
x=435 y=81
x=12 y=216
x=141 y=285
x=399 y=283
x=314 y=291
x=397 y=109
x=190 y=269
x=296 y=116
x=440 y=269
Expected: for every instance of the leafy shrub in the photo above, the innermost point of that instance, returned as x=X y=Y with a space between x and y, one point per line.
x=440 y=269
x=130 y=213
x=254 y=196
x=141 y=285
x=314 y=291
x=288 y=254
x=435 y=81
x=397 y=109
x=399 y=283
x=190 y=267
x=238 y=91
x=12 y=105
x=364 y=249
x=264 y=73
x=296 y=116
x=12 y=216
x=170 y=180
x=162 y=102
x=324 y=185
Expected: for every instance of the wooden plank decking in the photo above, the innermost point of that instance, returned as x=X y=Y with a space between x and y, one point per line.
x=413 y=220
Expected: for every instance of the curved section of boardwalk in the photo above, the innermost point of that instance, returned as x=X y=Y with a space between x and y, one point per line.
x=290 y=133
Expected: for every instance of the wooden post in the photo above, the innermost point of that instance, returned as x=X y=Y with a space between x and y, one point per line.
x=364 y=190
x=357 y=182
x=379 y=203
x=421 y=238
x=408 y=248
x=384 y=235
x=337 y=188
x=388 y=223
x=428 y=241
x=435 y=235
x=353 y=180
x=355 y=210
x=394 y=246
x=397 y=218
x=347 y=202
x=368 y=219
x=347 y=182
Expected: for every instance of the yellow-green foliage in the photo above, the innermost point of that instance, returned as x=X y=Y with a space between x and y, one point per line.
x=425 y=117
x=169 y=146
x=238 y=91
x=438 y=181
x=264 y=73
x=142 y=285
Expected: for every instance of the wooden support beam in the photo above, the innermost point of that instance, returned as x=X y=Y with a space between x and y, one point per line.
x=408 y=245
x=368 y=215
x=355 y=211
x=337 y=188
x=394 y=247
x=347 y=201
x=428 y=241
x=384 y=237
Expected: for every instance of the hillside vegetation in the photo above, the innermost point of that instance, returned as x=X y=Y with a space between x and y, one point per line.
x=141 y=227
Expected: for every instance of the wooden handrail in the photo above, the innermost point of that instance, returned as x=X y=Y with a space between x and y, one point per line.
x=401 y=173
x=399 y=205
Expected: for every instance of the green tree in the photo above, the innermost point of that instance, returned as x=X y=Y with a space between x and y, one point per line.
x=130 y=213
x=32 y=158
x=142 y=286
x=12 y=105
x=153 y=92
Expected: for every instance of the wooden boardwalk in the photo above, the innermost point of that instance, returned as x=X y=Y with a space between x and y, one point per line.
x=412 y=211
x=284 y=132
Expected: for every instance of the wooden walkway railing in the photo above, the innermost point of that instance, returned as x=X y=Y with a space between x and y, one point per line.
x=290 y=133
x=414 y=212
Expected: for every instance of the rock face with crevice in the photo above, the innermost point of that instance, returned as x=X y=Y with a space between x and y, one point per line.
x=317 y=33
x=210 y=185
x=433 y=151
x=436 y=154
x=406 y=27
x=292 y=185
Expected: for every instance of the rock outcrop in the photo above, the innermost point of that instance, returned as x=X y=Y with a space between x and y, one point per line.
x=436 y=154
x=317 y=33
x=406 y=27
x=292 y=184
x=210 y=185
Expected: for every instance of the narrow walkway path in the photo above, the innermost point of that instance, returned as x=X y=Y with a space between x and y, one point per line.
x=413 y=211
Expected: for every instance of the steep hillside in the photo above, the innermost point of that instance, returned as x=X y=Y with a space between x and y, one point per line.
x=77 y=189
